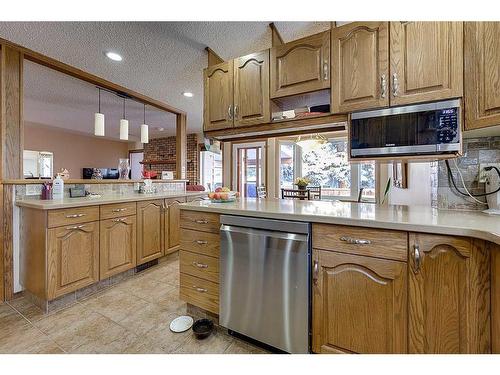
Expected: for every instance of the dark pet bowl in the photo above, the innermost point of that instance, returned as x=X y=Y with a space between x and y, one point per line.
x=202 y=328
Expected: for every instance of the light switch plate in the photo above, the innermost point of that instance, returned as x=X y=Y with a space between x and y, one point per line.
x=483 y=174
x=33 y=189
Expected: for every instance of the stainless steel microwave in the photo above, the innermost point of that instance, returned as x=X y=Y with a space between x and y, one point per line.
x=422 y=129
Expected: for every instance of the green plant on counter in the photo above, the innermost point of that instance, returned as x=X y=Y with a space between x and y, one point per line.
x=387 y=189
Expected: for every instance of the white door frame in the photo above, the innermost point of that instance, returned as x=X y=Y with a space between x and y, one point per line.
x=234 y=163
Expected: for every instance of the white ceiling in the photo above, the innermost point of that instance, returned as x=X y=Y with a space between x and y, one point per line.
x=160 y=59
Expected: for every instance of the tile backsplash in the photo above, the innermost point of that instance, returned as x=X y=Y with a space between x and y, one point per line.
x=476 y=151
x=22 y=191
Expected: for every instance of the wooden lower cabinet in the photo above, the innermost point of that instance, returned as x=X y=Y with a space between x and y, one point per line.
x=72 y=258
x=172 y=224
x=150 y=230
x=449 y=295
x=359 y=304
x=117 y=252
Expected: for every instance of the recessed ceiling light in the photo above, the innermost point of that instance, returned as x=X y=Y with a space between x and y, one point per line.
x=188 y=94
x=113 y=56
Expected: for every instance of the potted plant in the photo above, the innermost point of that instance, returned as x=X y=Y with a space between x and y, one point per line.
x=302 y=182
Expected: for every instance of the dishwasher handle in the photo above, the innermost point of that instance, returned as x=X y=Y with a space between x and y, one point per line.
x=262 y=232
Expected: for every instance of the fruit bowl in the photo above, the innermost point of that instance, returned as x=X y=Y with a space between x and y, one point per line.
x=223 y=196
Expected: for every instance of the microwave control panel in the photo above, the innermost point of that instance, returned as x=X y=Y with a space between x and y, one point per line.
x=448 y=126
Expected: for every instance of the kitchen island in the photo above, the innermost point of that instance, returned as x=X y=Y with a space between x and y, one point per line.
x=384 y=279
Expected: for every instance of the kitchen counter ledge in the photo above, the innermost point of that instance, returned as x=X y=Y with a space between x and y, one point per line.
x=407 y=218
x=104 y=199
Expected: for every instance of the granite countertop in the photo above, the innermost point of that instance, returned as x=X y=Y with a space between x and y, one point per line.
x=408 y=218
x=104 y=199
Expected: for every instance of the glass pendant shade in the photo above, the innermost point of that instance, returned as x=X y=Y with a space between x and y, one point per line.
x=124 y=130
x=144 y=133
x=99 y=124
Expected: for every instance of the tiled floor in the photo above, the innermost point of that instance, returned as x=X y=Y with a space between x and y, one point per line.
x=130 y=317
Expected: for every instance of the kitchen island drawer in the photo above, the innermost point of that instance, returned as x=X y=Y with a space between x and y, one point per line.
x=111 y=211
x=199 y=292
x=380 y=243
x=200 y=221
x=200 y=242
x=199 y=265
x=69 y=216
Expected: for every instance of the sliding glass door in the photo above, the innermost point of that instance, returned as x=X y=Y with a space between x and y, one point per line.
x=249 y=165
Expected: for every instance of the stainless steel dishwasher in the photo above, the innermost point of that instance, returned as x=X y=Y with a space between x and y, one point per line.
x=265 y=281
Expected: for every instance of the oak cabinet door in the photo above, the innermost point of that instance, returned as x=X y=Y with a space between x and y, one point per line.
x=117 y=251
x=482 y=74
x=218 y=92
x=448 y=295
x=426 y=61
x=174 y=223
x=150 y=230
x=359 y=304
x=360 y=66
x=251 y=89
x=301 y=66
x=73 y=258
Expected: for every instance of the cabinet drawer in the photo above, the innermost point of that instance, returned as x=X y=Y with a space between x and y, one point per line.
x=200 y=221
x=200 y=242
x=199 y=292
x=68 y=216
x=199 y=265
x=380 y=243
x=111 y=211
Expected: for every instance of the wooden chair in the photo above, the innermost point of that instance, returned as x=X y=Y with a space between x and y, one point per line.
x=261 y=192
x=295 y=194
x=315 y=192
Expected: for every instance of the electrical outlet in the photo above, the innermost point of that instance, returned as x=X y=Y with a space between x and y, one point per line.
x=33 y=189
x=484 y=174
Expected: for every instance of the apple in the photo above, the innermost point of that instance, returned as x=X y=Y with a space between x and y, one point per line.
x=217 y=196
x=224 y=196
x=218 y=190
x=211 y=195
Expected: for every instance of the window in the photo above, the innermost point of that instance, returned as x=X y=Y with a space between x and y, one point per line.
x=327 y=166
x=211 y=170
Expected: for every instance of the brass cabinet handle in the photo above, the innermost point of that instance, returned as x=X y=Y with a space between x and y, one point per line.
x=235 y=111
x=315 y=272
x=201 y=222
x=119 y=209
x=355 y=241
x=121 y=219
x=325 y=70
x=200 y=265
x=72 y=216
x=395 y=85
x=230 y=112
x=383 y=86
x=200 y=242
x=417 y=257
x=75 y=227
x=198 y=289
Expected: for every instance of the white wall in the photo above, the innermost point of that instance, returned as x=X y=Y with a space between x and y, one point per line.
x=419 y=185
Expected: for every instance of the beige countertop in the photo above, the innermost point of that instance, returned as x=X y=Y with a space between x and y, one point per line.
x=408 y=218
x=104 y=199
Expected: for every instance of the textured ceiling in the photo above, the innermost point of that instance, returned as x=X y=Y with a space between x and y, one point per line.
x=160 y=59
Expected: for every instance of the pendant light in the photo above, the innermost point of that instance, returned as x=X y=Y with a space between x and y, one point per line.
x=124 y=125
x=144 y=129
x=310 y=141
x=99 y=119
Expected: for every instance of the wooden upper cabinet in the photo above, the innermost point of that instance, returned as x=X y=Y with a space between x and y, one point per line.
x=72 y=258
x=426 y=61
x=301 y=66
x=218 y=95
x=482 y=74
x=448 y=295
x=359 y=304
x=150 y=230
x=117 y=252
x=360 y=66
x=251 y=89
